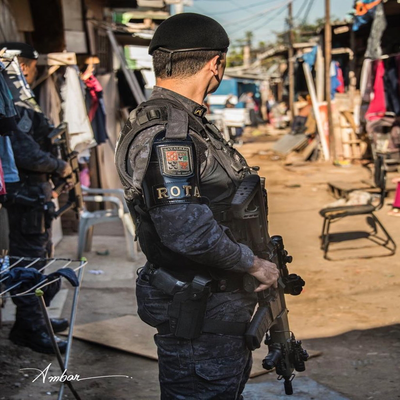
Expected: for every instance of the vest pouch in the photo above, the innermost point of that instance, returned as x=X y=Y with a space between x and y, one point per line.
x=33 y=221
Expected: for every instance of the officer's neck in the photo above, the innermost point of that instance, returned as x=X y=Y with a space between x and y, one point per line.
x=191 y=88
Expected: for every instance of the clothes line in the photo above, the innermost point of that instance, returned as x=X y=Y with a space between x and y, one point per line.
x=7 y=272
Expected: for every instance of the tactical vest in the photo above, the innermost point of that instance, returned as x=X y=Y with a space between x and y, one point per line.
x=218 y=186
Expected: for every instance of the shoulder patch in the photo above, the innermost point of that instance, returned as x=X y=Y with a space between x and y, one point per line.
x=176 y=160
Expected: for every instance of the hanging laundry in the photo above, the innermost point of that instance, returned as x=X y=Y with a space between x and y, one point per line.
x=97 y=112
x=339 y=75
x=7 y=156
x=20 y=89
x=377 y=105
x=79 y=127
x=391 y=84
x=366 y=80
x=7 y=109
x=21 y=93
x=366 y=89
x=20 y=279
x=374 y=49
x=2 y=181
x=8 y=169
x=337 y=81
x=364 y=12
x=49 y=101
x=311 y=57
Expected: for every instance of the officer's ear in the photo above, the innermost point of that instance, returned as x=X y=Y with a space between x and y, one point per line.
x=23 y=66
x=214 y=64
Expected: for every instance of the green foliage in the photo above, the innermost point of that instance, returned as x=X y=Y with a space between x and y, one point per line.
x=305 y=30
x=234 y=58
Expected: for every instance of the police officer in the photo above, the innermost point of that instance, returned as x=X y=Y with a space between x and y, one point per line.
x=29 y=200
x=180 y=177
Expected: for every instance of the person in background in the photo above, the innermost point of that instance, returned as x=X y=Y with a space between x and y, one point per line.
x=251 y=106
x=30 y=220
x=230 y=101
x=270 y=103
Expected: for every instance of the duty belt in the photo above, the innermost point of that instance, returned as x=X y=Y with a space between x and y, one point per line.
x=189 y=303
x=223 y=285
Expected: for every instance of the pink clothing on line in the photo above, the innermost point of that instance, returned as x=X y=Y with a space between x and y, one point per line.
x=339 y=76
x=377 y=106
x=396 y=202
x=94 y=87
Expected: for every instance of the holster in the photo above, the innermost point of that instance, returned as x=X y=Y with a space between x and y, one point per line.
x=188 y=309
x=189 y=302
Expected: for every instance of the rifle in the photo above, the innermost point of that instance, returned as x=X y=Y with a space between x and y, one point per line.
x=59 y=137
x=285 y=353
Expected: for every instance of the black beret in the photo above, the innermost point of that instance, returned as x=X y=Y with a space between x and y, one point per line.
x=26 y=50
x=189 y=31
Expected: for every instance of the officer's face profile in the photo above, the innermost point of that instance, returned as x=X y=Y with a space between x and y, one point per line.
x=29 y=70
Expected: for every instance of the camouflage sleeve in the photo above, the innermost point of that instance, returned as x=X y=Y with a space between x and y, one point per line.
x=191 y=230
x=28 y=155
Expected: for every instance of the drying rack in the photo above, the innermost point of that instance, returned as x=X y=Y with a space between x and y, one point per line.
x=51 y=265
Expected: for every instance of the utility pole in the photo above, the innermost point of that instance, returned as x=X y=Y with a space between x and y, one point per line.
x=328 y=58
x=291 y=60
x=178 y=5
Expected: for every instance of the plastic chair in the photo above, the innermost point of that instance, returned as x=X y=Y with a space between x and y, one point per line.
x=333 y=214
x=118 y=211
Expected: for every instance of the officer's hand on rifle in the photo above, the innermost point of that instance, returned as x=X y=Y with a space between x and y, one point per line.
x=265 y=272
x=63 y=169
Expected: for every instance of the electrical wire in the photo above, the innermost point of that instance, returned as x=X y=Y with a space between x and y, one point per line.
x=260 y=13
x=279 y=12
x=246 y=8
x=301 y=9
x=307 y=12
x=271 y=19
x=201 y=10
x=256 y=19
x=264 y=22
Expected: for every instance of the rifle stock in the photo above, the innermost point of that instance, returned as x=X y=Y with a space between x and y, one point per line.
x=286 y=355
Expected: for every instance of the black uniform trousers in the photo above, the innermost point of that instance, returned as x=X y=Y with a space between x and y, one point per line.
x=212 y=366
x=27 y=239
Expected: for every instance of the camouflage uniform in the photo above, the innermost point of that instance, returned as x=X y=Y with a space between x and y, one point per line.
x=184 y=227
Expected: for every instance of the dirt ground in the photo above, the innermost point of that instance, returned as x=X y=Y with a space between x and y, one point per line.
x=349 y=310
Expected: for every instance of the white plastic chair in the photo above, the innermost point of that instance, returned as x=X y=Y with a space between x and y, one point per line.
x=118 y=211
